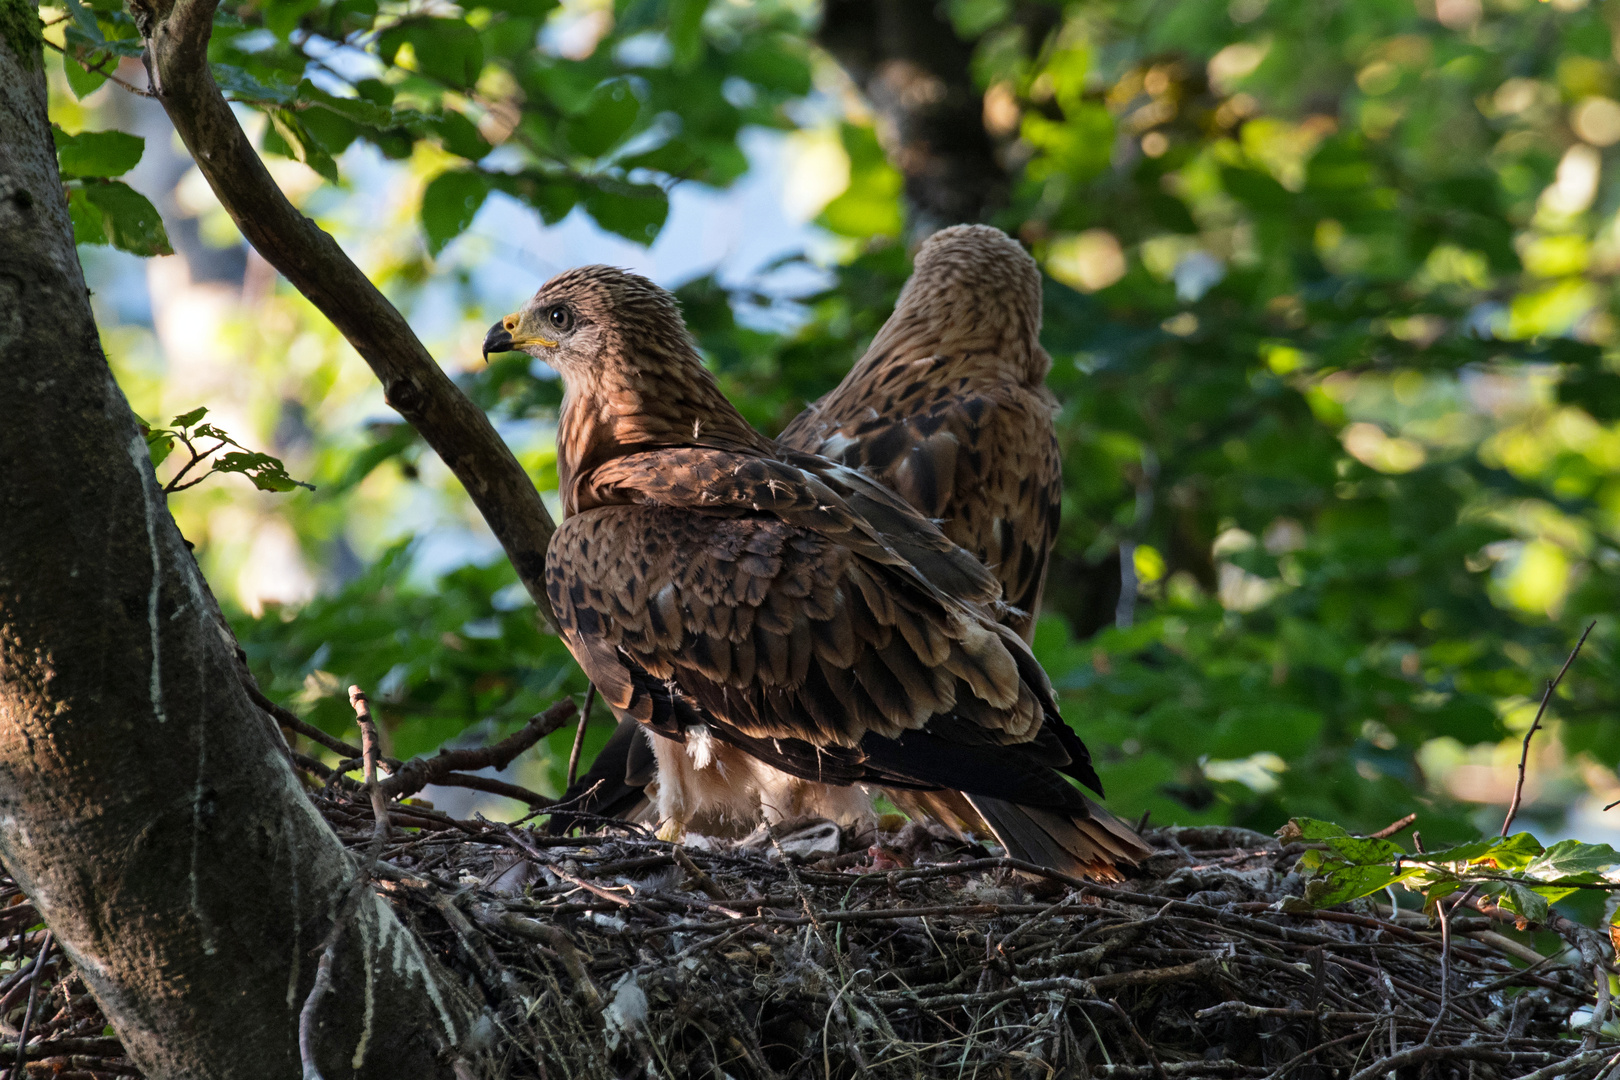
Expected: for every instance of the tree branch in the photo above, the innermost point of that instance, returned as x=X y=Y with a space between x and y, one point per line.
x=176 y=33
x=419 y=772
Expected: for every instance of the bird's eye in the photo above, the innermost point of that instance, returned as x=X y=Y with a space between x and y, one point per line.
x=561 y=317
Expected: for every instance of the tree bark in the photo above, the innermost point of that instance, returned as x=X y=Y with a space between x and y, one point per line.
x=146 y=806
x=915 y=71
x=176 y=34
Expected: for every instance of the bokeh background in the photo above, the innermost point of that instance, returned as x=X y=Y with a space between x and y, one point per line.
x=1330 y=297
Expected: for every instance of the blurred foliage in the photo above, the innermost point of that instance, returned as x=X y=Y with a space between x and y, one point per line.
x=1331 y=311
x=654 y=93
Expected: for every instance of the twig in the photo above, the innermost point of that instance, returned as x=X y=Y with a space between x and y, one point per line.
x=579 y=734
x=1445 y=962
x=1392 y=828
x=371 y=748
x=97 y=68
x=419 y=772
x=292 y=722
x=21 y=1070
x=1600 y=1013
x=1535 y=725
x=496 y=787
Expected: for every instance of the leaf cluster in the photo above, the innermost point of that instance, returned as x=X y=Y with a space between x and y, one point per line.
x=266 y=472
x=1519 y=873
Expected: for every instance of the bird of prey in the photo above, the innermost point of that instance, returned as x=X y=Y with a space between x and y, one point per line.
x=949 y=408
x=789 y=629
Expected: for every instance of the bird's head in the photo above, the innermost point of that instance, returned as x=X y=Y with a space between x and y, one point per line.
x=977 y=261
x=589 y=317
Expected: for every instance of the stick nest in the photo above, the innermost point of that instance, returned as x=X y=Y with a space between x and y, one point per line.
x=618 y=955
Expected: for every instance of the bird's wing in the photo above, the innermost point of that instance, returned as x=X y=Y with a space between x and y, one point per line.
x=748 y=597
x=980 y=457
x=804 y=490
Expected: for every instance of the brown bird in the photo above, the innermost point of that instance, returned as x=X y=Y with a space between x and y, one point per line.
x=789 y=628
x=949 y=408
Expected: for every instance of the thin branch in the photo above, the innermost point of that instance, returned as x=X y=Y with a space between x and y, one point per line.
x=379 y=836
x=176 y=34
x=579 y=734
x=291 y=721
x=28 y=1014
x=419 y=772
x=1535 y=725
x=1445 y=962
x=1392 y=828
x=98 y=66
x=496 y=787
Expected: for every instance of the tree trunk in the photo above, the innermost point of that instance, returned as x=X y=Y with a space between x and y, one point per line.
x=146 y=806
x=909 y=62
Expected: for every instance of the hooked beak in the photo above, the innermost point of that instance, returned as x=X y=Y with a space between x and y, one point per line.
x=500 y=339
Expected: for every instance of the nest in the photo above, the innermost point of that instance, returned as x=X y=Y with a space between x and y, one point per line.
x=619 y=955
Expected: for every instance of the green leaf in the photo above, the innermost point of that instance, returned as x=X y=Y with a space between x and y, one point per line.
x=1598 y=392
x=460 y=136
x=449 y=205
x=612 y=110
x=686 y=33
x=1259 y=191
x=552 y=196
x=1438 y=892
x=281 y=17
x=159 y=444
x=775 y=63
x=1364 y=851
x=1520 y=899
x=89 y=225
x=84 y=20
x=447 y=50
x=80 y=79
x=1352 y=883
x=266 y=472
x=238 y=85
x=634 y=211
x=1516 y=852
x=1570 y=857
x=131 y=223
x=1463 y=853
x=96 y=153
x=296 y=142
x=1310 y=830
x=870 y=206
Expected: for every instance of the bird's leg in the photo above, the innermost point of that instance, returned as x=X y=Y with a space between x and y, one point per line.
x=672 y=830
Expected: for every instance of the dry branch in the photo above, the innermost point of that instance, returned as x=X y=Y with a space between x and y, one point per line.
x=419 y=772
x=176 y=34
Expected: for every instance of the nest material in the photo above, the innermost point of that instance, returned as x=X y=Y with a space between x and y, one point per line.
x=619 y=955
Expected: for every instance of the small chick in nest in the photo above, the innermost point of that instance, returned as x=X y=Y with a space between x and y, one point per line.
x=789 y=630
